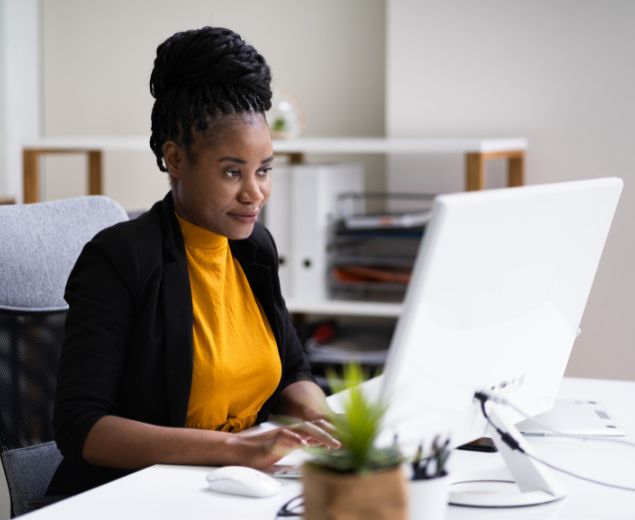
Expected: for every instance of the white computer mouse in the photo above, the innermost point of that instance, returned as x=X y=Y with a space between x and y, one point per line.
x=243 y=481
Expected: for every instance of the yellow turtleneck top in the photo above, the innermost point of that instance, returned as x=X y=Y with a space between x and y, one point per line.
x=236 y=364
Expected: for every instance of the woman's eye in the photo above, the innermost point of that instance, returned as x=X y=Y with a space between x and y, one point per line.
x=263 y=172
x=232 y=173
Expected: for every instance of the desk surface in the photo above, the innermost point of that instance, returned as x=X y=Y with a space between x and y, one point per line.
x=180 y=492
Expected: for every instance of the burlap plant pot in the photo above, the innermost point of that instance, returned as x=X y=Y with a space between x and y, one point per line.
x=377 y=495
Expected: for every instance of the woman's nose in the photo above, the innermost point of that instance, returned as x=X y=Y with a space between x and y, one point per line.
x=251 y=192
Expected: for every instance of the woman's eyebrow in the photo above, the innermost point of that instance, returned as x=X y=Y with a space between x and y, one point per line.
x=232 y=159
x=242 y=161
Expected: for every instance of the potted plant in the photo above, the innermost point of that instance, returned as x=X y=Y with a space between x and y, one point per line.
x=429 y=486
x=358 y=480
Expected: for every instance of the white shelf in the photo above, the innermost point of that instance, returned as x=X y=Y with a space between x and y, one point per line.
x=345 y=308
x=381 y=145
x=104 y=143
x=352 y=145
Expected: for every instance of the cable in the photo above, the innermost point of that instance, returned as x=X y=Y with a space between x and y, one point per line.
x=515 y=445
x=293 y=508
x=555 y=433
x=578 y=476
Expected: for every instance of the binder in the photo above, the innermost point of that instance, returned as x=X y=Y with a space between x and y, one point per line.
x=314 y=192
x=277 y=218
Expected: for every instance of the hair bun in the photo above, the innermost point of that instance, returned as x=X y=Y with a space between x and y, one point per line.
x=212 y=56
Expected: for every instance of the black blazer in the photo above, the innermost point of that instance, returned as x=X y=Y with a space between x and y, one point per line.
x=128 y=346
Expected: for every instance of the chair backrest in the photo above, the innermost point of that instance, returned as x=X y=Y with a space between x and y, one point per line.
x=28 y=472
x=39 y=244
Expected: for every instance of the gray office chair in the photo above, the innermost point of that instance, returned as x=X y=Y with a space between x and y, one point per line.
x=39 y=244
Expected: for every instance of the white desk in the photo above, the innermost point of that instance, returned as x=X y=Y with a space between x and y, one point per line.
x=179 y=491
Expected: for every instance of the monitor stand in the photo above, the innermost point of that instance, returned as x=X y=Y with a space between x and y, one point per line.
x=533 y=483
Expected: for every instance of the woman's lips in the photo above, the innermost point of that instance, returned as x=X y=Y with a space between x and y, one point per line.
x=245 y=218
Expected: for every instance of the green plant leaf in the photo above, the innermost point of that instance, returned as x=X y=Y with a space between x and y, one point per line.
x=357 y=428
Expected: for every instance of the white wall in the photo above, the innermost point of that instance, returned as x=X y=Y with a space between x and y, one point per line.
x=560 y=73
x=19 y=111
x=3 y=76
x=19 y=88
x=98 y=57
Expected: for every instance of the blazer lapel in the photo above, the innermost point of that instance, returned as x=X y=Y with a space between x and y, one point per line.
x=178 y=317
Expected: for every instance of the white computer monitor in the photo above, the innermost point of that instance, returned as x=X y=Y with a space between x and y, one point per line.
x=495 y=302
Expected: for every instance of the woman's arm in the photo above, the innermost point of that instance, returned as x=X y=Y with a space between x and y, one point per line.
x=117 y=442
x=303 y=400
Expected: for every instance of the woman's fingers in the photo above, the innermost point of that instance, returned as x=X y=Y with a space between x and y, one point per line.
x=327 y=426
x=270 y=446
x=317 y=433
x=285 y=441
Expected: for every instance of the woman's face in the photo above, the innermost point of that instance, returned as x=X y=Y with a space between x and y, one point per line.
x=223 y=181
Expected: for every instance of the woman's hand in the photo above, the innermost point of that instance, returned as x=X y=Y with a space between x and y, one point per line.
x=261 y=449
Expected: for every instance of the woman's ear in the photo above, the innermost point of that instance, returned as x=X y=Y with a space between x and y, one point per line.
x=173 y=157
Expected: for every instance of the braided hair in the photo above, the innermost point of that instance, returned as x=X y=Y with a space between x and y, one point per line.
x=199 y=76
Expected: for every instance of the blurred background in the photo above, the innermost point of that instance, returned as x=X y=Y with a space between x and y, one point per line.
x=557 y=72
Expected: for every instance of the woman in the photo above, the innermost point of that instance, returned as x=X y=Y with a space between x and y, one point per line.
x=177 y=336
